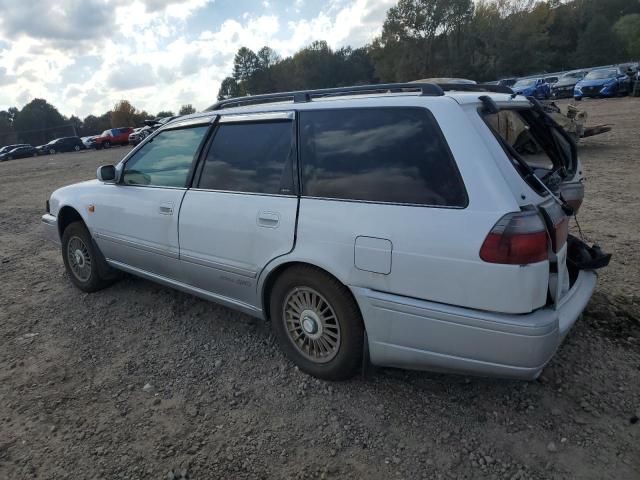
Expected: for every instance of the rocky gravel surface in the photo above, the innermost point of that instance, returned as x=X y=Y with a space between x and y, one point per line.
x=142 y=382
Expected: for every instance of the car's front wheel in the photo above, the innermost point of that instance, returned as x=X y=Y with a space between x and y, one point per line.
x=84 y=264
x=317 y=323
x=107 y=144
x=51 y=151
x=77 y=148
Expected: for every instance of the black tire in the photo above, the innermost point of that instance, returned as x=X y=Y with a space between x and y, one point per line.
x=107 y=144
x=52 y=151
x=77 y=148
x=9 y=157
x=346 y=359
x=97 y=274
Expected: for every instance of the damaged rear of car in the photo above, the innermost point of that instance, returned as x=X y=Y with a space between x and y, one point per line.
x=545 y=156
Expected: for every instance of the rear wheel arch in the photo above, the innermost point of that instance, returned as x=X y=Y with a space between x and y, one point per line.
x=275 y=273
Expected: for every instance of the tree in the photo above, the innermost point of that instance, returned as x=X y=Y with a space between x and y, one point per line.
x=123 y=114
x=7 y=134
x=187 y=109
x=38 y=122
x=598 y=45
x=627 y=29
x=93 y=125
x=245 y=64
x=229 y=88
x=165 y=113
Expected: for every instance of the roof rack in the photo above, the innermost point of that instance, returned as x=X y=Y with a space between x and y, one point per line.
x=474 y=87
x=304 y=96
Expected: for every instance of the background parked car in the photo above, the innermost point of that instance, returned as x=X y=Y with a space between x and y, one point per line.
x=150 y=127
x=22 y=151
x=564 y=87
x=115 y=136
x=8 y=148
x=138 y=135
x=90 y=141
x=507 y=82
x=532 y=87
x=603 y=82
x=65 y=144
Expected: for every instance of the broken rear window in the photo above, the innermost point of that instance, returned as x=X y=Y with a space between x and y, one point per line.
x=533 y=144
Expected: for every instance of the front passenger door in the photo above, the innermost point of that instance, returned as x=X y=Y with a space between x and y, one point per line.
x=136 y=220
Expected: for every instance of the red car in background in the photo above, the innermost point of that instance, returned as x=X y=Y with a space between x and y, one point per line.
x=115 y=136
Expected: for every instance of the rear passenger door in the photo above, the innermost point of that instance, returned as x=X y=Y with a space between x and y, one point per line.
x=241 y=212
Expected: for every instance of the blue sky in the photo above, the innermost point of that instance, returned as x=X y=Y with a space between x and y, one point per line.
x=85 y=55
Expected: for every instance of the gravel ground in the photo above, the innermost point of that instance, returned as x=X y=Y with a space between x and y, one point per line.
x=139 y=381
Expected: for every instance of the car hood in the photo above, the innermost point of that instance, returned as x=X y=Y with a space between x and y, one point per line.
x=524 y=90
x=600 y=82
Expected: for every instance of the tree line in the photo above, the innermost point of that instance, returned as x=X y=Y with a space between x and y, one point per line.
x=39 y=121
x=484 y=40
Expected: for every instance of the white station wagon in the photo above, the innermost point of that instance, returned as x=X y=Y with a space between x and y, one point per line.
x=419 y=226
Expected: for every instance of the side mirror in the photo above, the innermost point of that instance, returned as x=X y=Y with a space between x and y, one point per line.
x=106 y=173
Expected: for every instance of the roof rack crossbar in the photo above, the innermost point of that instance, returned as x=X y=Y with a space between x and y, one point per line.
x=304 y=96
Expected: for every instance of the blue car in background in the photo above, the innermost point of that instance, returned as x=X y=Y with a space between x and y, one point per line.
x=603 y=82
x=532 y=87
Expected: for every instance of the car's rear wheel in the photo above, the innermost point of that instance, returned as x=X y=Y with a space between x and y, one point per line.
x=317 y=323
x=77 y=148
x=85 y=266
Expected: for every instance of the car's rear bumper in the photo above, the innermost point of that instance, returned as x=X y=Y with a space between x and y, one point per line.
x=416 y=334
x=50 y=228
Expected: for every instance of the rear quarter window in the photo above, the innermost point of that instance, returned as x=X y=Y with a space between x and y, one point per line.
x=390 y=155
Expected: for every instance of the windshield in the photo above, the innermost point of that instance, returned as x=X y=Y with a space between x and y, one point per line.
x=600 y=74
x=525 y=83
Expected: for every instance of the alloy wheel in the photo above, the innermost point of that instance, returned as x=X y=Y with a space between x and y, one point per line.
x=311 y=324
x=79 y=259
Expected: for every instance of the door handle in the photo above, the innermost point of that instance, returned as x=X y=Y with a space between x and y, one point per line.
x=268 y=219
x=166 y=209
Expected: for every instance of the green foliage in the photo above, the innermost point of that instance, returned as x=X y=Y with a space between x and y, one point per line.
x=165 y=113
x=37 y=121
x=186 y=109
x=627 y=29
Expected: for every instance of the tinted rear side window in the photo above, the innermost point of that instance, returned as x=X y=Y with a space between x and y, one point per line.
x=251 y=157
x=393 y=155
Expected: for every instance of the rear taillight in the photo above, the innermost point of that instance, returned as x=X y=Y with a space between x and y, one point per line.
x=559 y=226
x=572 y=194
x=518 y=238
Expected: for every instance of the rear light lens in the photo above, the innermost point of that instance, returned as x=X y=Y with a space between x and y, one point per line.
x=572 y=194
x=518 y=238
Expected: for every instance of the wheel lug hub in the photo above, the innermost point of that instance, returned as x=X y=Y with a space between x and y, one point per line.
x=309 y=325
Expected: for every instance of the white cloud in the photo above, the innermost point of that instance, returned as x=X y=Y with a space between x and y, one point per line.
x=148 y=52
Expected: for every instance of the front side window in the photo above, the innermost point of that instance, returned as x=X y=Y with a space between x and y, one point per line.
x=165 y=160
x=393 y=155
x=251 y=157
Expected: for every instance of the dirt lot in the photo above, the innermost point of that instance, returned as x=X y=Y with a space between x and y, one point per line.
x=223 y=403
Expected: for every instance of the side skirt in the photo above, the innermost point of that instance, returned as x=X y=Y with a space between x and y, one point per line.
x=183 y=287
